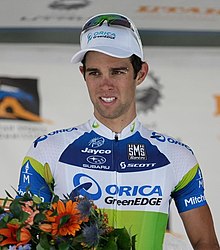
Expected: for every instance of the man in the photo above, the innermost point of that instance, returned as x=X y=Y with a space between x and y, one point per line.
x=125 y=168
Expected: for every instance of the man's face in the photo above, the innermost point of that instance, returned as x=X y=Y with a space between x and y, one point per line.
x=111 y=86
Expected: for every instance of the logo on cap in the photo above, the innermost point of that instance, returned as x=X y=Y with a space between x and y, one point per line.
x=101 y=34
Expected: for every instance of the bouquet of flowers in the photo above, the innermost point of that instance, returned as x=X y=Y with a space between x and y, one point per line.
x=73 y=223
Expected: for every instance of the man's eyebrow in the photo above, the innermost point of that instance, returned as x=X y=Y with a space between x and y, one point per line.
x=114 y=68
x=91 y=69
x=120 y=68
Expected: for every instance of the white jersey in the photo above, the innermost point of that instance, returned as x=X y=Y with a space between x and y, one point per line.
x=132 y=175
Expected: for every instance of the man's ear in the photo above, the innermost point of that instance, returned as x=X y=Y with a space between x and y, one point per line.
x=142 y=73
x=81 y=69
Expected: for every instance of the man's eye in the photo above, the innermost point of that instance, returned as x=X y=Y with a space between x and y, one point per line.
x=93 y=73
x=119 y=72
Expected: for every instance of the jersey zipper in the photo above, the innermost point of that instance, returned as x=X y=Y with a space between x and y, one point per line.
x=115 y=160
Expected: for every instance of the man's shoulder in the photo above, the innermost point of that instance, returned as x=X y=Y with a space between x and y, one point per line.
x=61 y=135
x=167 y=144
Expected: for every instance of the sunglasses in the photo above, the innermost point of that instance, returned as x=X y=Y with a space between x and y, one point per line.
x=111 y=19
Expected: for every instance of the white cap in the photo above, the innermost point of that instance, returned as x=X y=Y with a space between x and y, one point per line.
x=116 y=41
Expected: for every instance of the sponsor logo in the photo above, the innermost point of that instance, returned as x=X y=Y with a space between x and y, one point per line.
x=93 y=192
x=126 y=195
x=97 y=142
x=194 y=200
x=23 y=192
x=25 y=174
x=44 y=137
x=134 y=202
x=162 y=138
x=100 y=34
x=96 y=151
x=123 y=165
x=93 y=166
x=136 y=152
x=200 y=179
x=96 y=159
x=145 y=190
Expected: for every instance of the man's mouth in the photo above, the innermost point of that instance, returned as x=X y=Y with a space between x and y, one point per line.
x=108 y=99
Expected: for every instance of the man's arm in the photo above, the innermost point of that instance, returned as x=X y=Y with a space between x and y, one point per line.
x=199 y=227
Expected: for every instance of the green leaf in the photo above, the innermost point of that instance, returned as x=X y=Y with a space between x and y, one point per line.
x=18 y=234
x=64 y=246
x=24 y=216
x=123 y=239
x=9 y=194
x=133 y=241
x=39 y=247
x=2 y=210
x=55 y=199
x=15 y=221
x=38 y=218
x=3 y=248
x=76 y=240
x=4 y=221
x=15 y=208
x=44 y=243
x=111 y=244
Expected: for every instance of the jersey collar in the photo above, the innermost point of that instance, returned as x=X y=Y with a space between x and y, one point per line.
x=101 y=129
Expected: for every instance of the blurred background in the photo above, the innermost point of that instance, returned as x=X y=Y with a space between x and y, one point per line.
x=41 y=91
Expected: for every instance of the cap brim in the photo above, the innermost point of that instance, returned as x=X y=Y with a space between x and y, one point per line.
x=115 y=52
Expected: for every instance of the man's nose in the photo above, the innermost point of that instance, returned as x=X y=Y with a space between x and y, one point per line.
x=107 y=82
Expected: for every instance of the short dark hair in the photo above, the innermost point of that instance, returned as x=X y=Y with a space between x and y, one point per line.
x=135 y=61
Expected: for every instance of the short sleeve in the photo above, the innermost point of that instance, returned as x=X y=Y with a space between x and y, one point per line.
x=189 y=193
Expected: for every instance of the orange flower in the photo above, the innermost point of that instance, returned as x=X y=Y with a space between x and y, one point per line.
x=67 y=220
x=11 y=237
x=27 y=208
x=25 y=236
x=46 y=227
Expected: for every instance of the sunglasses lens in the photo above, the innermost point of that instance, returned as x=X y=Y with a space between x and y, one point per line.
x=120 y=22
x=92 y=23
x=111 y=20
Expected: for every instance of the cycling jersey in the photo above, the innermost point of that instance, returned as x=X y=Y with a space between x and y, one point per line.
x=133 y=175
